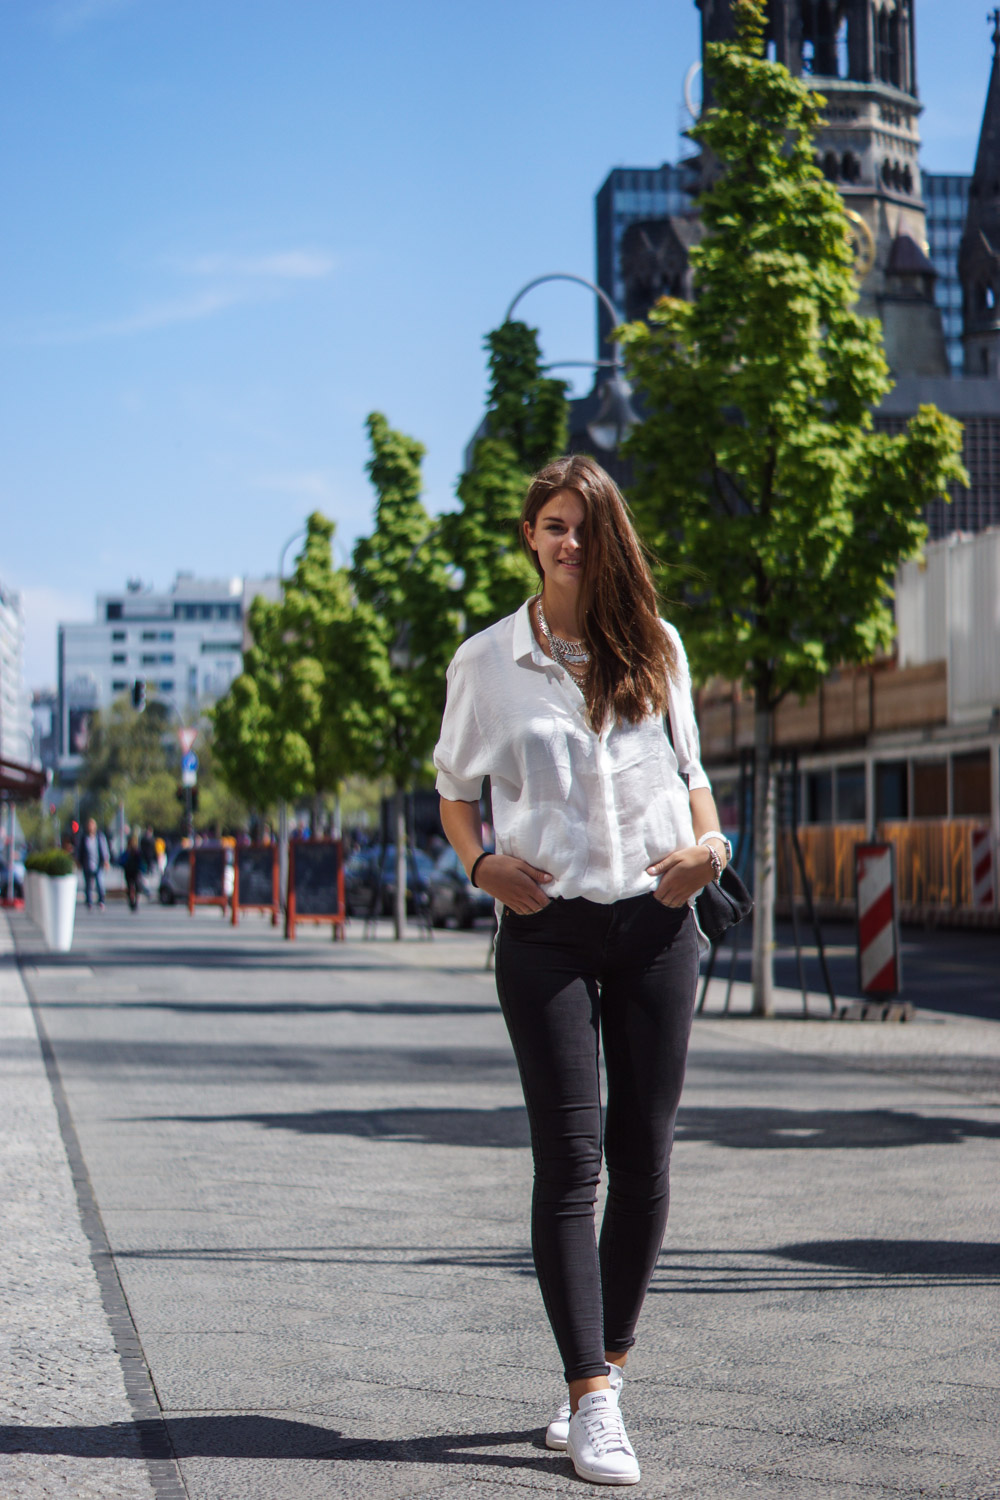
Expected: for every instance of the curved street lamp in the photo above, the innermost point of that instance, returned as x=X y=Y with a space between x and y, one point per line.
x=615 y=414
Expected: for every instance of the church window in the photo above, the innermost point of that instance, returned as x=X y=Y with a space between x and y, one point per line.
x=990 y=297
x=831 y=166
x=843 y=55
x=808 y=56
x=850 y=167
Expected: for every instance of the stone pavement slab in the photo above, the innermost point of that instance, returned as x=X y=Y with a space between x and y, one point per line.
x=62 y=1386
x=311 y=1167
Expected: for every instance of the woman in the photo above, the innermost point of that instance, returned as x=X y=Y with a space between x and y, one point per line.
x=132 y=865
x=604 y=835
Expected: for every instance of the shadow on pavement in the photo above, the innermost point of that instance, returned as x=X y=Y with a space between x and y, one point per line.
x=249 y=1436
x=505 y=1127
x=817 y=1266
x=223 y=1061
x=746 y=1129
x=278 y=1007
x=749 y=1129
x=518 y=1262
x=937 y=1258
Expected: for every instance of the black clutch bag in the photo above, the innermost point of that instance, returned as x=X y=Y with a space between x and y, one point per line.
x=722 y=904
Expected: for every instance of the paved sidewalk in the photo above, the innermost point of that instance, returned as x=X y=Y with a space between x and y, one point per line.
x=310 y=1167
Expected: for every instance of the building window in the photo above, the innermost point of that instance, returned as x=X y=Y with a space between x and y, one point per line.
x=819 y=796
x=930 y=788
x=150 y=659
x=970 y=785
x=166 y=686
x=166 y=635
x=850 y=787
x=118 y=659
x=118 y=635
x=165 y=659
x=213 y=648
x=891 y=793
x=119 y=687
x=113 y=611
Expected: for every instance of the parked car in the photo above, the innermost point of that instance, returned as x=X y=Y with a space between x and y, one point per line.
x=361 y=879
x=453 y=896
x=176 y=876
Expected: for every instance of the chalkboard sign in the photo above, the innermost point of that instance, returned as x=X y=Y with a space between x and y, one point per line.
x=315 y=883
x=256 y=882
x=207 y=885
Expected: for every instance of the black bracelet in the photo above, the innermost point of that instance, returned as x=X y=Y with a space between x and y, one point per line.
x=475 y=866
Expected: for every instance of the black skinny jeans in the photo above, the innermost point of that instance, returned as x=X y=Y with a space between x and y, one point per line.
x=568 y=976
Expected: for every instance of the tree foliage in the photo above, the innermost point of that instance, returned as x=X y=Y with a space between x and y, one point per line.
x=780 y=511
x=126 y=750
x=782 y=514
x=401 y=578
x=297 y=719
x=526 y=425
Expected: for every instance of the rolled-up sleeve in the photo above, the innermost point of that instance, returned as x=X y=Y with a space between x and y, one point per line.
x=687 y=745
x=461 y=754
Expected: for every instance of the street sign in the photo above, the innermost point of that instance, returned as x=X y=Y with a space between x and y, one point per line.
x=187 y=738
x=189 y=762
x=188 y=778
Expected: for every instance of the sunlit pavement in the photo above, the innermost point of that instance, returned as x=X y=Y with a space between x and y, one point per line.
x=309 y=1165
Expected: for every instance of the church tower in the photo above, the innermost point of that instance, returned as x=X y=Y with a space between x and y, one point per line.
x=861 y=55
x=979 y=253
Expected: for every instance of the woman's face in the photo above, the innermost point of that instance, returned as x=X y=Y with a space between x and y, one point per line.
x=557 y=539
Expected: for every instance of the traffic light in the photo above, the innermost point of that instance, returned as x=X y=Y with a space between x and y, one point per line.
x=139 y=694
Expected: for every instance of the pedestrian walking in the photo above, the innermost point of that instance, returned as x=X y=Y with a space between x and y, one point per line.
x=93 y=857
x=605 y=833
x=132 y=864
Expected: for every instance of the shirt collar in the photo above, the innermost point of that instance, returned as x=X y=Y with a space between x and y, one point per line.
x=525 y=644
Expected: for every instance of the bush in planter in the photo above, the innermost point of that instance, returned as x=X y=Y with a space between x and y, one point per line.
x=50 y=862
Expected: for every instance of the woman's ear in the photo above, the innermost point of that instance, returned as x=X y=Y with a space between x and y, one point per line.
x=529 y=532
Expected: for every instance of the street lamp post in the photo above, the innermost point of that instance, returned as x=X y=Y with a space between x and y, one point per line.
x=615 y=415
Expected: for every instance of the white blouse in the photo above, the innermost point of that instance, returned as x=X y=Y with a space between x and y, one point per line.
x=592 y=810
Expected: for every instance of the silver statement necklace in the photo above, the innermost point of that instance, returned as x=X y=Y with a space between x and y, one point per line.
x=573 y=656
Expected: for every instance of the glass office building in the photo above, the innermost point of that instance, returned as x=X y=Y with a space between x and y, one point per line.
x=946 y=195
x=628 y=195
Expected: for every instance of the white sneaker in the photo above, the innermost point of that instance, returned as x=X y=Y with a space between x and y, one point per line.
x=557 y=1432
x=597 y=1442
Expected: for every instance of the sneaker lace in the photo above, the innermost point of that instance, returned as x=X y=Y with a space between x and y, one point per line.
x=605 y=1430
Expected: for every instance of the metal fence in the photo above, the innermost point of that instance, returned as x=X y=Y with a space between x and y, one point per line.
x=933 y=861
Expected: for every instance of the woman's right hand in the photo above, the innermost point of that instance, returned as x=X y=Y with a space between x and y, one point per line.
x=514 y=882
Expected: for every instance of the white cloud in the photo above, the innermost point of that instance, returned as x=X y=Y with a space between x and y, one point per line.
x=147 y=319
x=239 y=280
x=281 y=265
x=69 y=16
x=310 y=484
x=44 y=609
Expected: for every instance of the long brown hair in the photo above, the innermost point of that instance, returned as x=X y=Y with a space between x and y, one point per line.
x=632 y=659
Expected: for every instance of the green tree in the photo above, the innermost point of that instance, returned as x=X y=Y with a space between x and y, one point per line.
x=526 y=425
x=402 y=574
x=759 y=477
x=126 y=751
x=298 y=718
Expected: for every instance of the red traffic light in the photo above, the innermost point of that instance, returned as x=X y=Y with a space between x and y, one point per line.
x=52 y=809
x=74 y=827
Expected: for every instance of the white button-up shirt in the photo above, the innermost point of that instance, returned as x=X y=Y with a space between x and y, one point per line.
x=593 y=810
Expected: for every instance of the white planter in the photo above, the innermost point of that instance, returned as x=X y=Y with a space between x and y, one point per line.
x=59 y=911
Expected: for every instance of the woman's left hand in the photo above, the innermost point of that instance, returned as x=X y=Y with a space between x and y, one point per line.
x=682 y=874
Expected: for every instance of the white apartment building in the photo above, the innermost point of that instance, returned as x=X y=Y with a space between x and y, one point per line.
x=15 y=713
x=186 y=644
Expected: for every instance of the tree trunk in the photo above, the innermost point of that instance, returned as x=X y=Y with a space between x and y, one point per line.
x=399 y=915
x=762 y=971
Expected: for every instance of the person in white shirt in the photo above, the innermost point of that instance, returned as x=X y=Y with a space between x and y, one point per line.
x=605 y=833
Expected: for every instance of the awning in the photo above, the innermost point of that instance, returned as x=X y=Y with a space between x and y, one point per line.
x=20 y=782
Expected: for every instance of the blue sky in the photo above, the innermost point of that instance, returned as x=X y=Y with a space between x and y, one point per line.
x=232 y=228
